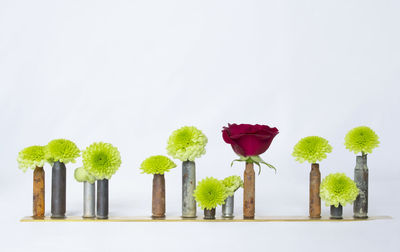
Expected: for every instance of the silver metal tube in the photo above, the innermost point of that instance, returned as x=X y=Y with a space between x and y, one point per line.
x=227 y=207
x=188 y=187
x=89 y=199
x=360 y=205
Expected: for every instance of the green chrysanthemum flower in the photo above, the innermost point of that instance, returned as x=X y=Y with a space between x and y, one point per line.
x=31 y=157
x=338 y=189
x=101 y=160
x=232 y=183
x=62 y=150
x=157 y=165
x=82 y=175
x=209 y=193
x=361 y=139
x=187 y=143
x=311 y=149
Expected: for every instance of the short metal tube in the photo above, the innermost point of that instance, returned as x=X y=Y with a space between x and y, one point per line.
x=315 y=200
x=228 y=207
x=102 y=199
x=360 y=207
x=58 y=190
x=249 y=191
x=209 y=214
x=336 y=212
x=38 y=192
x=188 y=187
x=89 y=199
x=158 y=200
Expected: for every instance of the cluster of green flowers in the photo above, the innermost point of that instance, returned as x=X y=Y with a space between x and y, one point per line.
x=187 y=143
x=311 y=149
x=361 y=139
x=157 y=165
x=338 y=189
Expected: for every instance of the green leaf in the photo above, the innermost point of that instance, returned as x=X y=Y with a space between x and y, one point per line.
x=254 y=160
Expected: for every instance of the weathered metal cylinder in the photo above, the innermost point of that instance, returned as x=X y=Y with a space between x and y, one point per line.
x=102 y=199
x=58 y=190
x=38 y=192
x=188 y=187
x=89 y=200
x=228 y=207
x=158 y=201
x=249 y=190
x=315 y=200
x=360 y=207
x=336 y=212
x=209 y=214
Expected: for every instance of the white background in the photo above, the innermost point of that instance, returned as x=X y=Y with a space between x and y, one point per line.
x=131 y=72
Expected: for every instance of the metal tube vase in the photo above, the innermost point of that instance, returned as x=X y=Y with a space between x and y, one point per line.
x=209 y=214
x=158 y=200
x=360 y=207
x=102 y=199
x=228 y=207
x=336 y=212
x=38 y=192
x=315 y=200
x=249 y=192
x=188 y=187
x=89 y=200
x=58 y=190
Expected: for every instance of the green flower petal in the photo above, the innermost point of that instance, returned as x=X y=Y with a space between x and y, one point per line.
x=82 y=175
x=157 y=165
x=311 y=149
x=62 y=150
x=338 y=189
x=232 y=183
x=187 y=143
x=361 y=139
x=209 y=193
x=31 y=157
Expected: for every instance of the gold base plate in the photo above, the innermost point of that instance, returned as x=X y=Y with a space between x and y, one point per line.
x=200 y=219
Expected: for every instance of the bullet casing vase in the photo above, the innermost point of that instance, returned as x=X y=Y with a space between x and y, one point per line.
x=58 y=190
x=360 y=205
x=89 y=200
x=209 y=214
x=158 y=201
x=336 y=212
x=102 y=199
x=249 y=192
x=188 y=187
x=228 y=207
x=315 y=200
x=38 y=192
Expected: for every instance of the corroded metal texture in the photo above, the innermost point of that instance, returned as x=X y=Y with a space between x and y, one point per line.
x=228 y=207
x=58 y=190
x=102 y=199
x=89 y=200
x=158 y=202
x=336 y=212
x=249 y=191
x=315 y=200
x=360 y=207
x=188 y=187
x=38 y=192
x=209 y=214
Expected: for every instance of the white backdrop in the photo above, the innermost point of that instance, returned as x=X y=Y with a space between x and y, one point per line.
x=131 y=72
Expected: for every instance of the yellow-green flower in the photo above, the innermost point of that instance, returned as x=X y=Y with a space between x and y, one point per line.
x=62 y=150
x=31 y=157
x=311 y=149
x=361 y=139
x=157 y=165
x=210 y=192
x=232 y=183
x=338 y=189
x=187 y=143
x=82 y=175
x=101 y=160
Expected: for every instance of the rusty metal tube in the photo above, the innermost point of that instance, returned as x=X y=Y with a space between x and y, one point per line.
x=188 y=187
x=38 y=192
x=58 y=190
x=360 y=207
x=209 y=214
x=315 y=200
x=158 y=202
x=249 y=191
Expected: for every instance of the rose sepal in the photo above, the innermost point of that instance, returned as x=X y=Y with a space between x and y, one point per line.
x=254 y=160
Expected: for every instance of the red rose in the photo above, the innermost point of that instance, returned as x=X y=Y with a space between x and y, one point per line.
x=249 y=140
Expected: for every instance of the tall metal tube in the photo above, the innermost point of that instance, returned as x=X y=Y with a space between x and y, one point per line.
x=158 y=201
x=58 y=190
x=89 y=199
x=249 y=191
x=188 y=187
x=209 y=214
x=102 y=199
x=228 y=207
x=38 y=192
x=360 y=207
x=336 y=212
x=315 y=200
